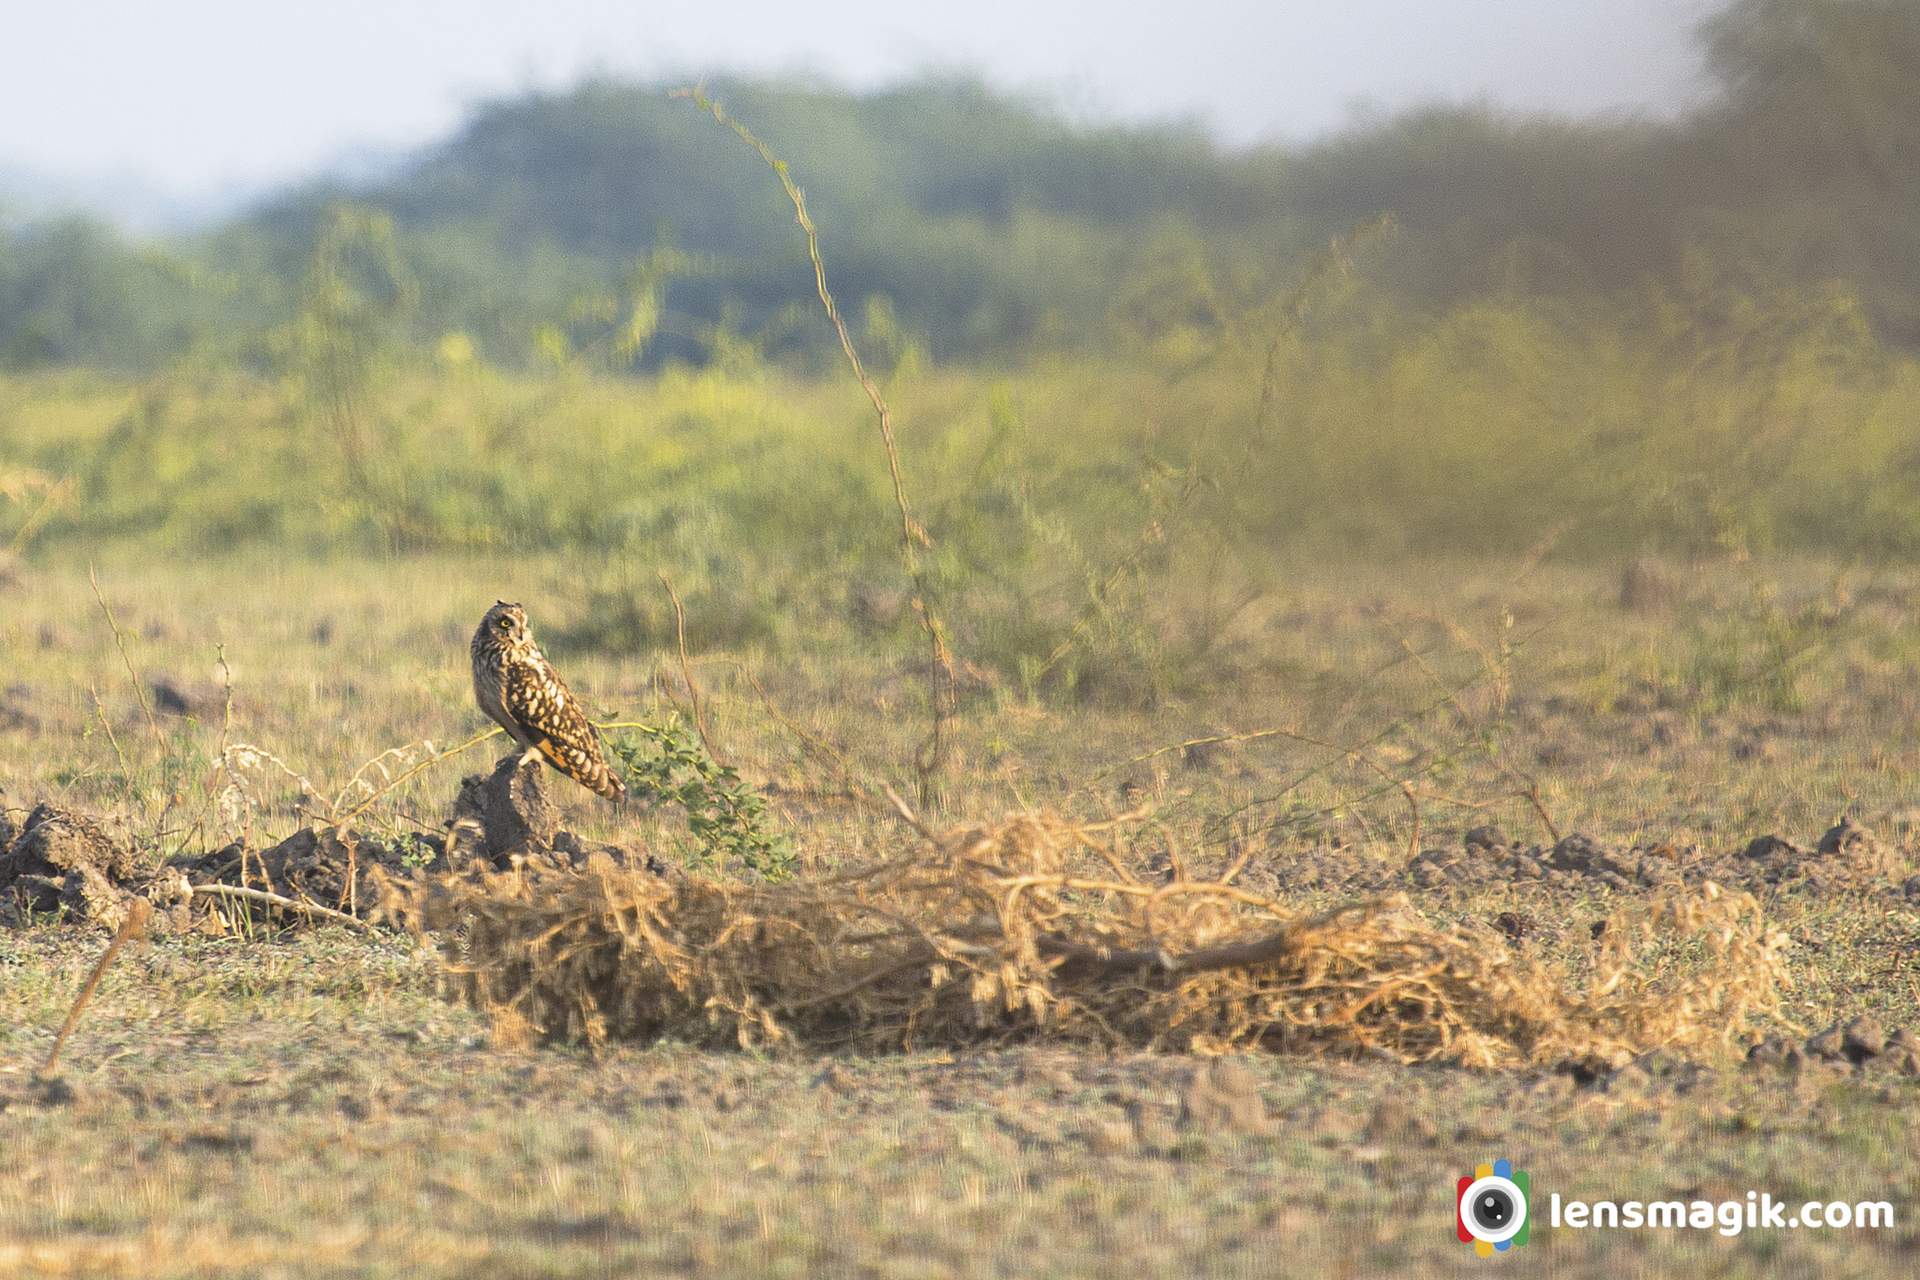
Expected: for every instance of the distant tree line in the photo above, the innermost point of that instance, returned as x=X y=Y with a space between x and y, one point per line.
x=612 y=224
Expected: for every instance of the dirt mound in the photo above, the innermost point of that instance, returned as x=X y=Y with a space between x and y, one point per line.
x=504 y=813
x=323 y=867
x=67 y=863
x=1848 y=856
x=1035 y=927
x=1862 y=1044
x=1487 y=858
x=1309 y=869
x=500 y=820
x=61 y=861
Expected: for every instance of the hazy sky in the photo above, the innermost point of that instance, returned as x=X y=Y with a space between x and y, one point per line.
x=197 y=94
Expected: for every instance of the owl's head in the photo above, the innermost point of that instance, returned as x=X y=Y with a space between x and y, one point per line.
x=505 y=626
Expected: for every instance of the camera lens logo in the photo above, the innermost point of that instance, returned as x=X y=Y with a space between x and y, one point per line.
x=1491 y=1214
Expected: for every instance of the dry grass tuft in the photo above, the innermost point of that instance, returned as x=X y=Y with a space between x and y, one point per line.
x=1033 y=928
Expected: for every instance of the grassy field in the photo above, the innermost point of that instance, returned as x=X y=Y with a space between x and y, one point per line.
x=309 y=1106
x=1512 y=595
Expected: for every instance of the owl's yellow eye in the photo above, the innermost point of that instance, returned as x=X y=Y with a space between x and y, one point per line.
x=506 y=624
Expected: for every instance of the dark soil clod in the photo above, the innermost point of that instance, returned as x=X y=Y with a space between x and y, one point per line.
x=505 y=813
x=65 y=861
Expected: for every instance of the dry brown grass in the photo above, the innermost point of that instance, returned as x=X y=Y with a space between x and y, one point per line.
x=208 y=1252
x=1035 y=928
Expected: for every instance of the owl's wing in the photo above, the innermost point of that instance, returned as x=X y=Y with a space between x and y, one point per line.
x=539 y=702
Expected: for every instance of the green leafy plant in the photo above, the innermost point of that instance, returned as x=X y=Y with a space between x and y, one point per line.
x=727 y=819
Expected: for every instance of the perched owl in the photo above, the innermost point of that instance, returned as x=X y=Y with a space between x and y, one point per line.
x=516 y=686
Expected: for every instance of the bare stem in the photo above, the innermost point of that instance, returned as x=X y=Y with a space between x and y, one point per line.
x=284 y=903
x=686 y=667
x=914 y=539
x=343 y=819
x=138 y=912
x=120 y=640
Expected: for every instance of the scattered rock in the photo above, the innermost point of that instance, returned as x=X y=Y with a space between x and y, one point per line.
x=1473 y=865
x=1285 y=867
x=1203 y=756
x=1224 y=1097
x=1848 y=856
x=169 y=698
x=876 y=608
x=1862 y=1038
x=1860 y=1044
x=1486 y=859
x=16 y=710
x=1646 y=587
x=1849 y=837
x=1396 y=1121
x=1516 y=925
x=1657 y=1072
x=1778 y=1051
x=1903 y=1053
x=1829 y=1045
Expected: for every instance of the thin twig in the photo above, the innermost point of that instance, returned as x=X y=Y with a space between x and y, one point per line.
x=942 y=694
x=285 y=903
x=138 y=913
x=1531 y=794
x=139 y=690
x=113 y=739
x=450 y=752
x=686 y=669
x=1335 y=259
x=226 y=687
x=49 y=503
x=906 y=812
